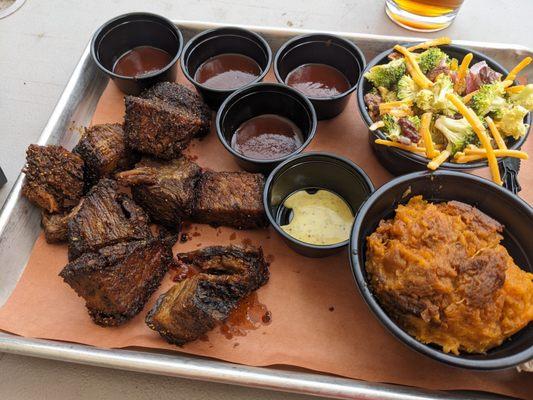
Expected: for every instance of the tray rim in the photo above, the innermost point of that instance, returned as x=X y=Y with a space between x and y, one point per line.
x=199 y=368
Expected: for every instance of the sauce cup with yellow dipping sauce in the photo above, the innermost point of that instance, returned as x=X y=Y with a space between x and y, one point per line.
x=312 y=199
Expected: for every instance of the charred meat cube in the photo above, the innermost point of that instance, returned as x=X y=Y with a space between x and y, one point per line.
x=54 y=177
x=163 y=120
x=117 y=281
x=197 y=304
x=55 y=226
x=103 y=149
x=105 y=217
x=165 y=190
x=231 y=199
x=246 y=262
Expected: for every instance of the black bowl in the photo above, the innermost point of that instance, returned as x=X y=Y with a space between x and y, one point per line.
x=315 y=170
x=322 y=49
x=123 y=33
x=398 y=161
x=258 y=99
x=515 y=214
x=218 y=41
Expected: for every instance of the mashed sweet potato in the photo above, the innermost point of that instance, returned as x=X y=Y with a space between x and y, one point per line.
x=440 y=271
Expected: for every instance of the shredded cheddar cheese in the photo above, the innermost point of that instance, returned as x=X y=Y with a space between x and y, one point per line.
x=469 y=96
x=516 y=70
x=431 y=43
x=413 y=68
x=402 y=146
x=462 y=159
x=498 y=153
x=454 y=64
x=396 y=108
x=515 y=89
x=437 y=161
x=480 y=131
x=459 y=86
x=425 y=121
x=495 y=133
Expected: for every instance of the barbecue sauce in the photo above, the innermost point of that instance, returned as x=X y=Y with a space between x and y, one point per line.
x=249 y=314
x=267 y=137
x=227 y=71
x=141 y=60
x=318 y=80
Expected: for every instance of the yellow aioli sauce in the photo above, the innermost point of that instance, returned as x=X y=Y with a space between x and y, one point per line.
x=321 y=218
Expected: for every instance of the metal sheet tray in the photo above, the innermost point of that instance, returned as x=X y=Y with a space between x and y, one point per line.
x=19 y=228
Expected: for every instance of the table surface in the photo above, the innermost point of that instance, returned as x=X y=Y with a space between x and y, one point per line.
x=41 y=43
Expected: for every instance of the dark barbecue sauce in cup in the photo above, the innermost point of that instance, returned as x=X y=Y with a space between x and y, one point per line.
x=141 y=60
x=267 y=137
x=318 y=80
x=227 y=71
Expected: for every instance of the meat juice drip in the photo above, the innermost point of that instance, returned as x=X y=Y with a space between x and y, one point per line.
x=249 y=315
x=318 y=80
x=227 y=71
x=141 y=60
x=267 y=137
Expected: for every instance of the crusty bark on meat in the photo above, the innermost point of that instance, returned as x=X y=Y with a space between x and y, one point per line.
x=55 y=226
x=54 y=177
x=232 y=199
x=117 y=281
x=103 y=149
x=163 y=120
x=105 y=217
x=165 y=190
x=197 y=304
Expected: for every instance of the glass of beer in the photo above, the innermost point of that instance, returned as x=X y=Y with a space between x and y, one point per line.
x=423 y=15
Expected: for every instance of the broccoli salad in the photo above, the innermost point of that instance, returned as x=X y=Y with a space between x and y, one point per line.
x=446 y=109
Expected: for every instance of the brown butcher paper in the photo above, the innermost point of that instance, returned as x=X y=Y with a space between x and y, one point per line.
x=319 y=320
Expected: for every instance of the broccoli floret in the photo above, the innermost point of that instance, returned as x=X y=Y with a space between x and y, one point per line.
x=390 y=96
x=392 y=128
x=489 y=98
x=524 y=98
x=458 y=132
x=512 y=121
x=424 y=99
x=496 y=114
x=387 y=75
x=415 y=120
x=430 y=58
x=407 y=88
x=434 y=99
x=386 y=94
x=443 y=85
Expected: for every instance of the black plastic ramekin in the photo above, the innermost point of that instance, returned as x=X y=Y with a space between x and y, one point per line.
x=314 y=170
x=398 y=161
x=327 y=49
x=511 y=211
x=125 y=32
x=264 y=98
x=218 y=41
